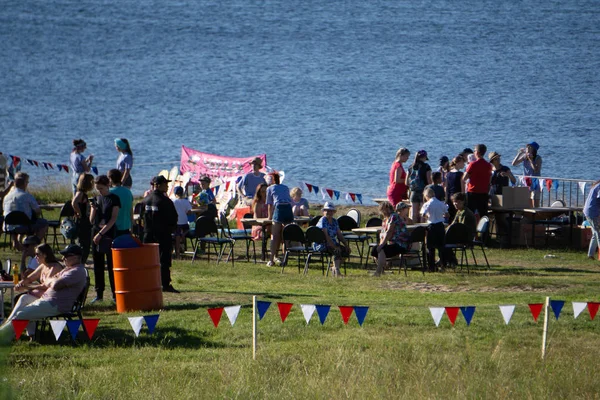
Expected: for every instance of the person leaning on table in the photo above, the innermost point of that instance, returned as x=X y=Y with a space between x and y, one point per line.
x=61 y=293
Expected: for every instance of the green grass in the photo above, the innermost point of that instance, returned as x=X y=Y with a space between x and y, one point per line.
x=397 y=353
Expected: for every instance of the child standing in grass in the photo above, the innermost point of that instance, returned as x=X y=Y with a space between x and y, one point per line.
x=434 y=210
x=183 y=208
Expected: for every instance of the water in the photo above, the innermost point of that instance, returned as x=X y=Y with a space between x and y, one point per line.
x=329 y=90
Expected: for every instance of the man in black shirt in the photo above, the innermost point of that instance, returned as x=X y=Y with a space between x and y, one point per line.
x=160 y=220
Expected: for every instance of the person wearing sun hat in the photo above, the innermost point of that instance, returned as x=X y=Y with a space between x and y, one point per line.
x=247 y=185
x=336 y=243
x=59 y=297
x=532 y=167
x=501 y=174
x=418 y=176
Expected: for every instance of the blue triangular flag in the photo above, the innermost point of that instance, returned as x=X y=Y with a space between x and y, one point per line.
x=73 y=327
x=151 y=321
x=95 y=170
x=216 y=190
x=557 y=306
x=30 y=162
x=361 y=313
x=359 y=197
x=336 y=194
x=316 y=189
x=262 y=306
x=323 y=311
x=46 y=165
x=468 y=312
x=555 y=185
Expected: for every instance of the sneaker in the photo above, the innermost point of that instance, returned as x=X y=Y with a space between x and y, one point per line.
x=277 y=261
x=170 y=289
x=96 y=299
x=270 y=264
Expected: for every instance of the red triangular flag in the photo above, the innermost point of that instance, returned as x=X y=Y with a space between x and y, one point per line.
x=549 y=184
x=309 y=187
x=329 y=192
x=536 y=309
x=51 y=166
x=215 y=315
x=352 y=196
x=452 y=313
x=593 y=309
x=346 y=312
x=227 y=185
x=90 y=326
x=19 y=325
x=66 y=167
x=37 y=164
x=15 y=161
x=284 y=310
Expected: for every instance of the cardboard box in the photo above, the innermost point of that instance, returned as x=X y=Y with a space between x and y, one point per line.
x=521 y=234
x=512 y=197
x=581 y=237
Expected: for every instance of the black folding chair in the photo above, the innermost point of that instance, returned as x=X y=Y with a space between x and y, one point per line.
x=16 y=223
x=346 y=224
x=371 y=222
x=66 y=211
x=458 y=238
x=294 y=242
x=316 y=235
x=207 y=232
x=416 y=236
x=481 y=238
x=243 y=235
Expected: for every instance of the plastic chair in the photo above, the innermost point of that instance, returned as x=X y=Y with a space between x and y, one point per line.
x=292 y=233
x=65 y=211
x=416 y=236
x=206 y=232
x=481 y=238
x=458 y=239
x=346 y=224
x=237 y=234
x=355 y=215
x=16 y=223
x=316 y=235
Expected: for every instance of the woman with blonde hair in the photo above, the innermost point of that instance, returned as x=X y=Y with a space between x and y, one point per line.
x=300 y=205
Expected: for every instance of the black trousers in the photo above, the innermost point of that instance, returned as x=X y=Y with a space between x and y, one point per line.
x=84 y=236
x=99 y=265
x=165 y=249
x=435 y=240
x=478 y=202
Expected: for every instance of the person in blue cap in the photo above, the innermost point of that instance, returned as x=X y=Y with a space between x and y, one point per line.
x=532 y=167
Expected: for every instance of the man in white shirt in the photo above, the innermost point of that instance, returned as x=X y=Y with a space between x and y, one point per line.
x=435 y=210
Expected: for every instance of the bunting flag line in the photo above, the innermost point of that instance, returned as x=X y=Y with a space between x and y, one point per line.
x=468 y=313
x=593 y=309
x=284 y=310
x=452 y=313
x=437 y=313
x=151 y=321
x=57 y=327
x=361 y=313
x=90 y=326
x=332 y=193
x=535 y=309
x=578 y=307
x=262 y=306
x=557 y=306
x=18 y=326
x=308 y=310
x=322 y=311
x=73 y=327
x=232 y=313
x=215 y=315
x=346 y=312
x=507 y=313
x=136 y=324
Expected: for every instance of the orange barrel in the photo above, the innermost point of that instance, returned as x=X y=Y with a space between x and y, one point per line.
x=137 y=278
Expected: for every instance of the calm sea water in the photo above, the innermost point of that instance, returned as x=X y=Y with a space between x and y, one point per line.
x=328 y=89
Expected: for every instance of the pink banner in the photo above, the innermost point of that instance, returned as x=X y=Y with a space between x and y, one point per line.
x=199 y=164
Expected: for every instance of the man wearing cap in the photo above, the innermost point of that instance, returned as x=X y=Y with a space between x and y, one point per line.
x=160 y=221
x=247 y=186
x=477 y=177
x=20 y=200
x=501 y=174
x=532 y=166
x=61 y=293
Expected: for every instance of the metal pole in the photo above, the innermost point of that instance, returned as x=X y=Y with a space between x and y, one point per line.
x=254 y=327
x=545 y=334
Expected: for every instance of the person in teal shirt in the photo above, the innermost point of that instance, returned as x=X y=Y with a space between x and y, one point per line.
x=125 y=217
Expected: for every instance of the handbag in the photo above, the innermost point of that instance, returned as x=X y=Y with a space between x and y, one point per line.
x=68 y=228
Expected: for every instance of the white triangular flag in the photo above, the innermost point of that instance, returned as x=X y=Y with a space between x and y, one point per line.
x=507 y=312
x=136 y=324
x=437 y=313
x=57 y=327
x=232 y=313
x=578 y=307
x=542 y=184
x=308 y=310
x=582 y=187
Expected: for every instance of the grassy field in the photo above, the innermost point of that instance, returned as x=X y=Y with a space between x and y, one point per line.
x=397 y=353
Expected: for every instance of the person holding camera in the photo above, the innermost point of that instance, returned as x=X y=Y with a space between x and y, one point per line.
x=532 y=167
